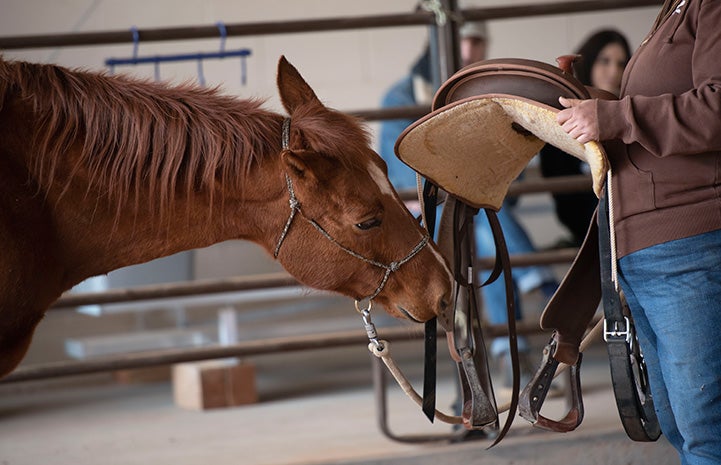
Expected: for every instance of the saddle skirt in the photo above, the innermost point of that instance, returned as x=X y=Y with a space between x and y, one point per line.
x=489 y=119
x=475 y=147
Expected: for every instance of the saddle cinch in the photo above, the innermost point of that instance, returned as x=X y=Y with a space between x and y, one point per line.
x=488 y=121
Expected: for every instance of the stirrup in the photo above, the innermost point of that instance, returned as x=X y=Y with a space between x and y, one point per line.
x=534 y=394
x=478 y=410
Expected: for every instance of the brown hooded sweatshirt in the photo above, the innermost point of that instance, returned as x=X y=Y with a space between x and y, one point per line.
x=667 y=171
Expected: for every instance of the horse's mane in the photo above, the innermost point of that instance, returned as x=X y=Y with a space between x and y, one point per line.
x=135 y=134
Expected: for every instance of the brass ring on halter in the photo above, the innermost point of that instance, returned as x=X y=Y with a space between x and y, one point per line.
x=357 y=308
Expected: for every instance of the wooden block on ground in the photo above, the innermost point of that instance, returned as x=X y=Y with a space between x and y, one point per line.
x=214 y=384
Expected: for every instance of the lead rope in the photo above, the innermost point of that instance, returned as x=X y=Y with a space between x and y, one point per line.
x=612 y=232
x=381 y=349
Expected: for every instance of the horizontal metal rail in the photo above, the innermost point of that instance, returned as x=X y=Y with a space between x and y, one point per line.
x=255 y=282
x=164 y=291
x=410 y=112
x=556 y=185
x=308 y=25
x=242 y=349
x=282 y=279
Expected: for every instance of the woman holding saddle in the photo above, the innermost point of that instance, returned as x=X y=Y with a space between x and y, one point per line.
x=663 y=139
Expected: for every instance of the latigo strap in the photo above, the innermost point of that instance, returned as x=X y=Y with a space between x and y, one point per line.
x=628 y=370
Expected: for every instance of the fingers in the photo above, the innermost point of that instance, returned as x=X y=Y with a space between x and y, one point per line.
x=565 y=102
x=568 y=104
x=577 y=119
x=581 y=133
x=583 y=138
x=578 y=131
x=563 y=116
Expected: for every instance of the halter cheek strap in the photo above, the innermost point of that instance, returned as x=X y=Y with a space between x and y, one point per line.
x=295 y=208
x=294 y=204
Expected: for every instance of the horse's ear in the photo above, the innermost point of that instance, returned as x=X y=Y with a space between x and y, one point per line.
x=299 y=164
x=293 y=89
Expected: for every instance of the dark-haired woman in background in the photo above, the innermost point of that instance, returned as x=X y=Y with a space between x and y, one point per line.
x=603 y=58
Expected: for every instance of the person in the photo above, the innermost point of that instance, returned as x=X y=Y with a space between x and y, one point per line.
x=415 y=89
x=603 y=58
x=663 y=139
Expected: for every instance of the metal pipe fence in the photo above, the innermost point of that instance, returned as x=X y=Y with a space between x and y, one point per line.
x=278 y=280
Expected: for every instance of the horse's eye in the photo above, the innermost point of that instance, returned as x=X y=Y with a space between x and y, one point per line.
x=368 y=224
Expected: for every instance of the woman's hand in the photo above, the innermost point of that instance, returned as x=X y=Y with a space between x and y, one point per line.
x=579 y=119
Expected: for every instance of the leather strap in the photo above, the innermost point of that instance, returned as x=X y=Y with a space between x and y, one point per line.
x=479 y=409
x=628 y=370
x=502 y=253
x=465 y=338
x=430 y=197
x=571 y=309
x=429 y=369
x=568 y=313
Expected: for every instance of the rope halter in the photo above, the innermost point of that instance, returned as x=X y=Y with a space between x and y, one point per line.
x=295 y=209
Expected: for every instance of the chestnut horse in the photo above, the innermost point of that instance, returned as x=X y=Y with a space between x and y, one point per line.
x=101 y=172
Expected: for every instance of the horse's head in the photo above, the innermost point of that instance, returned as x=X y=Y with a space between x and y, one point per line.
x=351 y=233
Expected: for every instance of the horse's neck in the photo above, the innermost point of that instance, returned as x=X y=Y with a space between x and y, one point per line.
x=92 y=244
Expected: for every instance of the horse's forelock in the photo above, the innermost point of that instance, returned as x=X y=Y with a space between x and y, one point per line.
x=333 y=134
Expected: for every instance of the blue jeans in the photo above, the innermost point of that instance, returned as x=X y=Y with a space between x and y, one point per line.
x=674 y=293
x=524 y=279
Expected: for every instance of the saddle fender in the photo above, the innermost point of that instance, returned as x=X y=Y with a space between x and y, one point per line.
x=568 y=314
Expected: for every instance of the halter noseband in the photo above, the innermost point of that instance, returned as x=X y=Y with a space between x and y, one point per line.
x=295 y=208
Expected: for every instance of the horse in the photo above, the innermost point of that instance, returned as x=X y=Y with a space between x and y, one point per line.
x=99 y=172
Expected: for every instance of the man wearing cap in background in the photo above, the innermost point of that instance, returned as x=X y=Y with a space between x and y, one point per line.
x=474 y=42
x=417 y=89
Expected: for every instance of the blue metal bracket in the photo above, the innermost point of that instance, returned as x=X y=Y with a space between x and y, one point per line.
x=198 y=57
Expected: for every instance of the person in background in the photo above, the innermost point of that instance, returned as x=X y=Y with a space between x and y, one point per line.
x=603 y=58
x=663 y=139
x=416 y=89
x=474 y=42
